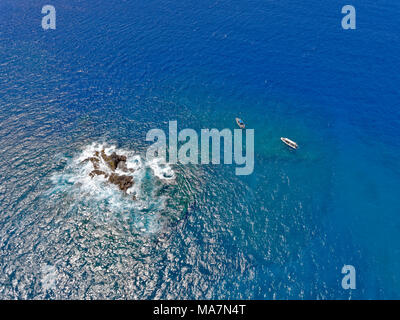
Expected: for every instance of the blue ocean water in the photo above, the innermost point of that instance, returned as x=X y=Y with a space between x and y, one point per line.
x=112 y=70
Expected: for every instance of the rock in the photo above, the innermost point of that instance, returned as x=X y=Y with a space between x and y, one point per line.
x=97 y=172
x=113 y=161
x=116 y=159
x=124 y=182
x=95 y=162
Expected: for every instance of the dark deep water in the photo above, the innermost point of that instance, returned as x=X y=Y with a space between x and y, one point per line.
x=112 y=70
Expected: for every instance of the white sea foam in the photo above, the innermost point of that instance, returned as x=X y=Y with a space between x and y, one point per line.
x=140 y=203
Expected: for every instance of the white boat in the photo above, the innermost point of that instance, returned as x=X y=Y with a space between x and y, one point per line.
x=240 y=123
x=290 y=143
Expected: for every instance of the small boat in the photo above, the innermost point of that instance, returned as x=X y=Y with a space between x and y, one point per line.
x=240 y=123
x=290 y=143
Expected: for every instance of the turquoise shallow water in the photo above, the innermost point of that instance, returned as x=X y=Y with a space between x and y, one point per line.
x=114 y=70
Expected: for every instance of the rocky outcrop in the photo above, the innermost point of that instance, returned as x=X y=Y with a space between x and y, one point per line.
x=94 y=161
x=113 y=161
